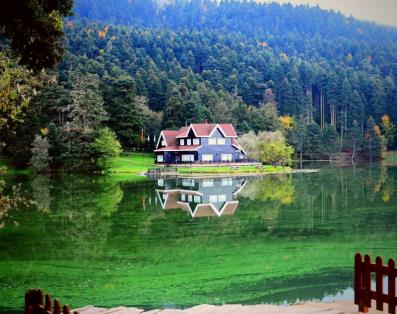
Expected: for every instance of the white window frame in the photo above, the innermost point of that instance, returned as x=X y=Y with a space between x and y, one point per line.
x=187 y=157
x=188 y=142
x=160 y=158
x=182 y=142
x=188 y=182
x=226 y=157
x=207 y=183
x=197 y=199
x=196 y=141
x=212 y=141
x=207 y=157
x=221 y=141
x=213 y=199
x=227 y=181
x=222 y=198
x=183 y=197
x=190 y=198
x=162 y=143
x=160 y=182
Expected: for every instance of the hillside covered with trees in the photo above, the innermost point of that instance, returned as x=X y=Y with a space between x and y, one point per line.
x=325 y=81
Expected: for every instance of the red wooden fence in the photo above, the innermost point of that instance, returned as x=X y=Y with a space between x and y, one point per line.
x=363 y=294
x=34 y=304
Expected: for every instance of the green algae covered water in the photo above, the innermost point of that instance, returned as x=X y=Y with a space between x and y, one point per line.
x=182 y=242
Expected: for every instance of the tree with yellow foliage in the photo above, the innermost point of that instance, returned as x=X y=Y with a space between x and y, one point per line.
x=388 y=129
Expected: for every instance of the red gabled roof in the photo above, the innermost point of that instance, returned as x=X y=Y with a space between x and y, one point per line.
x=205 y=129
x=183 y=132
x=228 y=129
x=169 y=137
x=200 y=130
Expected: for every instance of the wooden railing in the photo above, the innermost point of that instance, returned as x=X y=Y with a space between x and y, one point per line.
x=34 y=304
x=363 y=294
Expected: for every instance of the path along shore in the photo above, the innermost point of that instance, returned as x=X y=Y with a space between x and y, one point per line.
x=340 y=307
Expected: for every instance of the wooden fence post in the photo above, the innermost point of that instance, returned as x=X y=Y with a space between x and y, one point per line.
x=379 y=283
x=367 y=283
x=66 y=309
x=48 y=303
x=57 y=307
x=392 y=286
x=358 y=281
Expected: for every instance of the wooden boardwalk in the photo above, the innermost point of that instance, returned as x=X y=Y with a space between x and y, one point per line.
x=341 y=307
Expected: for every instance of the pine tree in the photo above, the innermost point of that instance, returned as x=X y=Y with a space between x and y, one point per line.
x=329 y=140
x=287 y=102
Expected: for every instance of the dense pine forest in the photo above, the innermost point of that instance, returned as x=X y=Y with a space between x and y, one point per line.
x=327 y=82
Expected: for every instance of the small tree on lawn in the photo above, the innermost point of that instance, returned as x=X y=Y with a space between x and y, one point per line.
x=106 y=146
x=276 y=153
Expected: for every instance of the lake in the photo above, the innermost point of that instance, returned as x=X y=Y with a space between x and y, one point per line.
x=182 y=242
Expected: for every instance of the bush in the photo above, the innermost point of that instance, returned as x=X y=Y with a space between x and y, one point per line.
x=105 y=147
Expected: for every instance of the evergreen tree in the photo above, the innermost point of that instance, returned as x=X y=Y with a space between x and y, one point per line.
x=373 y=140
x=124 y=116
x=286 y=99
x=329 y=140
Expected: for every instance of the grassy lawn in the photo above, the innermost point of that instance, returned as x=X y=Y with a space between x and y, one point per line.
x=390 y=155
x=134 y=163
x=229 y=169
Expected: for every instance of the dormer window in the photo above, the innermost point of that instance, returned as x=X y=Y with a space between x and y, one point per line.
x=196 y=141
x=188 y=142
x=182 y=142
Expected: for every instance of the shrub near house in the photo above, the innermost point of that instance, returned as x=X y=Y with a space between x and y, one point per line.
x=199 y=143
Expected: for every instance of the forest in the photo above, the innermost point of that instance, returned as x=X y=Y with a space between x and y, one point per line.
x=327 y=82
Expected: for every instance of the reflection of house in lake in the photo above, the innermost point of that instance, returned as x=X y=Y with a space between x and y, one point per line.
x=201 y=197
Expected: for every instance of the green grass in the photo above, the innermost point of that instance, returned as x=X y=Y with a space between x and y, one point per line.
x=132 y=163
x=229 y=169
x=390 y=155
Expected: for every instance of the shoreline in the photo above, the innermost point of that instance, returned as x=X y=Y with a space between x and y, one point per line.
x=335 y=307
x=231 y=174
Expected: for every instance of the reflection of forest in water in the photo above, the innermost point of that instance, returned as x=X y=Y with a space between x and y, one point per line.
x=279 y=220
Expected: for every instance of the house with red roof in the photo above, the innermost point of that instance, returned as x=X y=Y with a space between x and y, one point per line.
x=199 y=142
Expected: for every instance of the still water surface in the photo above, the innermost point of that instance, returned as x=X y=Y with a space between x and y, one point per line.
x=177 y=243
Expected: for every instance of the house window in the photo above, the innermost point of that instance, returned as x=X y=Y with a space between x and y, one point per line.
x=183 y=197
x=208 y=183
x=196 y=141
x=221 y=141
x=213 y=198
x=188 y=182
x=160 y=182
x=182 y=141
x=226 y=157
x=188 y=141
x=212 y=141
x=160 y=158
x=222 y=198
x=227 y=182
x=187 y=158
x=190 y=198
x=197 y=199
x=207 y=157
x=162 y=143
